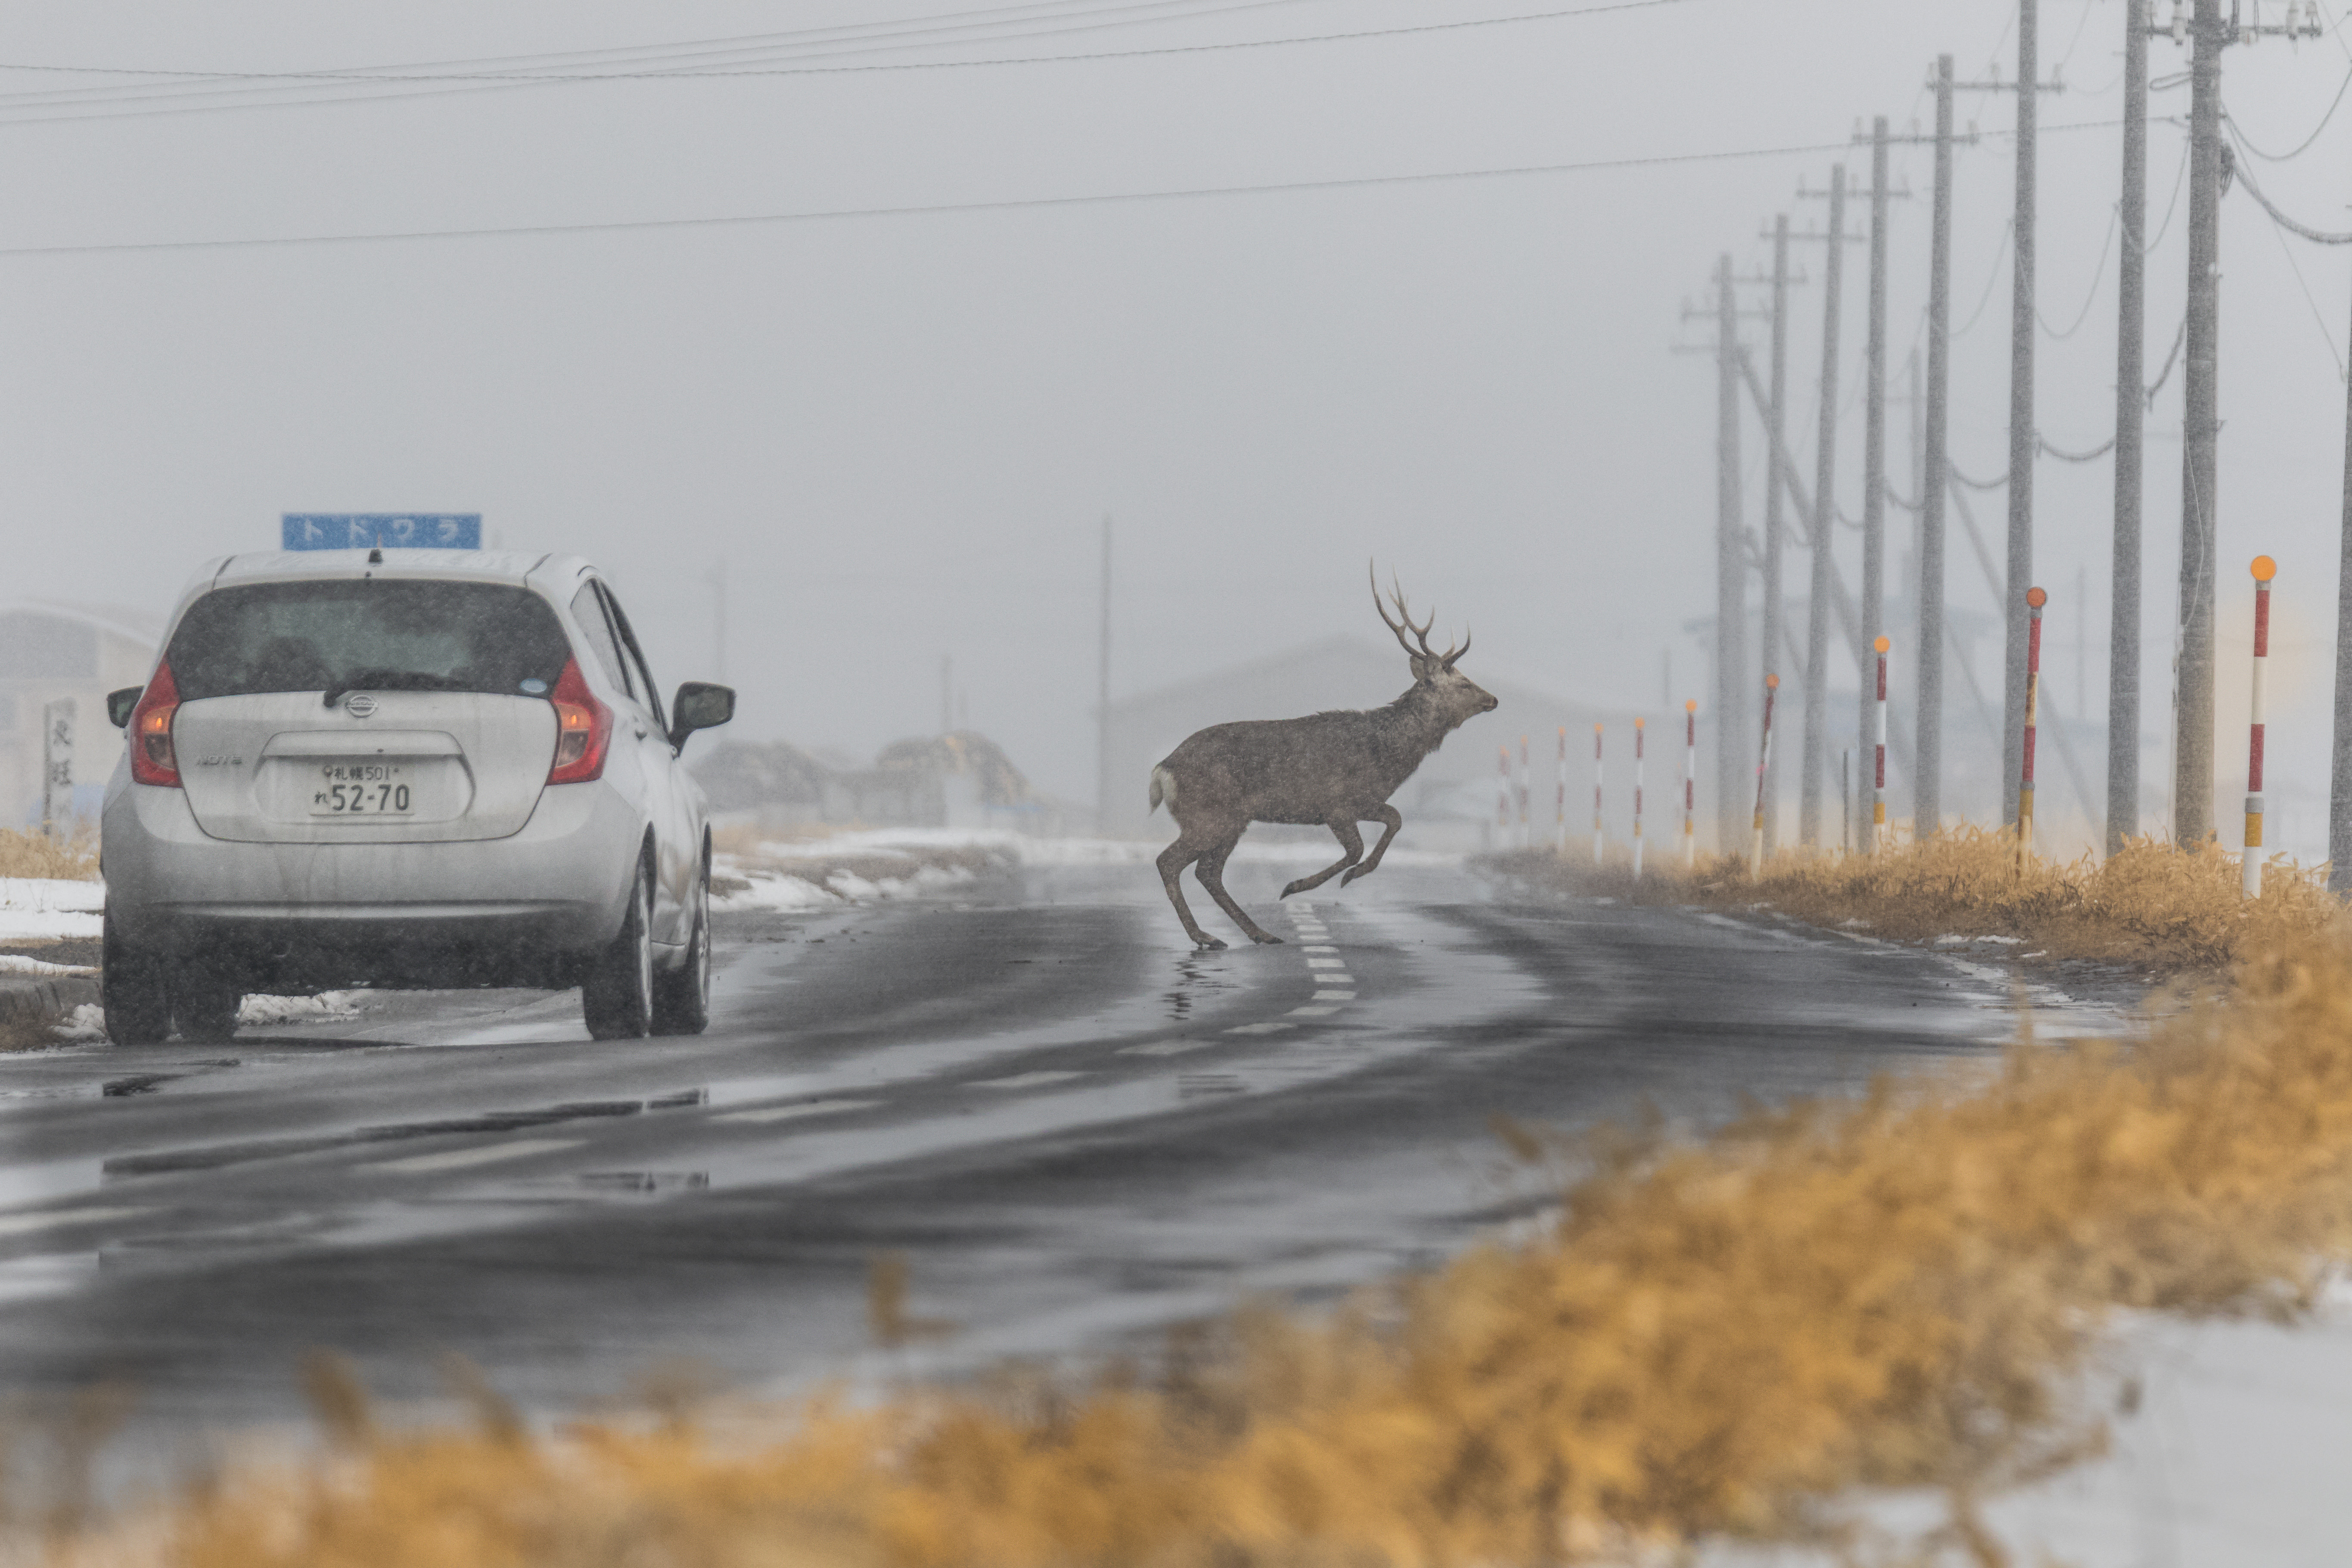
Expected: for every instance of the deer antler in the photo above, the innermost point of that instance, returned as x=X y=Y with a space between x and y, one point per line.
x=1421 y=632
x=1453 y=653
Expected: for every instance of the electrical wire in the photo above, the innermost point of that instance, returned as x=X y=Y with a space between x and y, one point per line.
x=2098 y=277
x=1953 y=468
x=2008 y=229
x=489 y=81
x=2325 y=334
x=2317 y=237
x=2093 y=455
x=1010 y=204
x=2239 y=131
x=843 y=39
x=2180 y=181
x=2179 y=338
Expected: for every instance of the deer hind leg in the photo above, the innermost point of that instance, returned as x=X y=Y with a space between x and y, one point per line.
x=1211 y=872
x=1349 y=840
x=1390 y=822
x=1172 y=862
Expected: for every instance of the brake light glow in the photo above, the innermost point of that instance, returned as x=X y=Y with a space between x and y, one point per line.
x=583 y=728
x=153 y=761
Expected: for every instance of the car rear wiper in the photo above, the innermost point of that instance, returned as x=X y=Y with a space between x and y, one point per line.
x=394 y=680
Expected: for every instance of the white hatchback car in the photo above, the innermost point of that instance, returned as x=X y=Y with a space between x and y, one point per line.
x=405 y=768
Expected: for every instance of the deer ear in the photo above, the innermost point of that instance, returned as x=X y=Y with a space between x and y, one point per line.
x=1423 y=668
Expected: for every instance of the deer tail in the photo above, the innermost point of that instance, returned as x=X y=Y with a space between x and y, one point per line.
x=1163 y=788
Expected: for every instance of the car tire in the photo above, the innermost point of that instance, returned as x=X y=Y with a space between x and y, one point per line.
x=617 y=997
x=204 y=1008
x=682 y=995
x=133 y=989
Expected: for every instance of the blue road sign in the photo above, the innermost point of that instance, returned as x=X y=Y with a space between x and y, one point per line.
x=388 y=530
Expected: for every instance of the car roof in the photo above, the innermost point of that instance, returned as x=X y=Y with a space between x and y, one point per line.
x=460 y=566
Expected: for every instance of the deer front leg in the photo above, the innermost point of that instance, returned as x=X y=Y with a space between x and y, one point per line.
x=1211 y=872
x=1172 y=862
x=1389 y=819
x=1349 y=840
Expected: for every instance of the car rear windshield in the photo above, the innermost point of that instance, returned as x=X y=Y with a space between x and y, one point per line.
x=368 y=635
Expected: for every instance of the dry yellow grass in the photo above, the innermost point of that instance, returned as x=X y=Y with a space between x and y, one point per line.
x=73 y=859
x=2151 y=905
x=1714 y=1338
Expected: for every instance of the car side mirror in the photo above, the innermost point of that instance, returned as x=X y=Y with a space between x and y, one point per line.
x=700 y=705
x=120 y=705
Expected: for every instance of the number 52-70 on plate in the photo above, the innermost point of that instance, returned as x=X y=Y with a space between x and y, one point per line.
x=361 y=789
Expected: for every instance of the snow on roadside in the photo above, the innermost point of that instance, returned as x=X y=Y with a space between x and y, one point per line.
x=17 y=963
x=43 y=909
x=85 y=1026
x=327 y=1006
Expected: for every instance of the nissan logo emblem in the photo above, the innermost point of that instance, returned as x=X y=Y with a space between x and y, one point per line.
x=359 y=705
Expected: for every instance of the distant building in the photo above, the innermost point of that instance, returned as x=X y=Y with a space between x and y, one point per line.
x=51 y=650
x=1451 y=803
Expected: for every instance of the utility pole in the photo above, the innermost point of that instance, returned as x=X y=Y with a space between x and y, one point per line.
x=2192 y=717
x=1824 y=525
x=1102 y=693
x=1775 y=483
x=1731 y=568
x=1874 y=455
x=2024 y=441
x=2131 y=412
x=2208 y=32
x=2340 y=793
x=1927 y=784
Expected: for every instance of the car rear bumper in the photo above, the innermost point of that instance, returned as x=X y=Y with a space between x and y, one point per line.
x=521 y=909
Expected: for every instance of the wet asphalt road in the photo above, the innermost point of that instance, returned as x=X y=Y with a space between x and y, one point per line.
x=1077 y=1131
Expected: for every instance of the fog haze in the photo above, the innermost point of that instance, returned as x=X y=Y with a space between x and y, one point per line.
x=900 y=433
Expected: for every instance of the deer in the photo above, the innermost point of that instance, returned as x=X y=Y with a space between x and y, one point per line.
x=1332 y=769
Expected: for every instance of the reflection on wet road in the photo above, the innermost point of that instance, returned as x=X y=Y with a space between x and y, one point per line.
x=1074 y=1128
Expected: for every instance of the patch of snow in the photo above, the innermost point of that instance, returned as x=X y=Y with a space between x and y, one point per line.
x=770 y=892
x=35 y=908
x=849 y=885
x=85 y=1026
x=17 y=963
x=326 y=1007
x=2004 y=941
x=1951 y=939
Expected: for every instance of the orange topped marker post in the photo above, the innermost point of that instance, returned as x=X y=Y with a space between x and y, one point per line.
x=2250 y=870
x=1690 y=784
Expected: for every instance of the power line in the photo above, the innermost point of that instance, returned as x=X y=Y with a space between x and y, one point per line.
x=2317 y=237
x=1010 y=204
x=854 y=37
x=490 y=81
x=2239 y=131
x=2098 y=275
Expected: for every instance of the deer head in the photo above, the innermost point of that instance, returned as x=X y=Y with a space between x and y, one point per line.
x=1459 y=696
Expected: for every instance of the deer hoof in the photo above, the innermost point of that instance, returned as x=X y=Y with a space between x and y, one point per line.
x=1266 y=939
x=1293 y=887
x=1207 y=943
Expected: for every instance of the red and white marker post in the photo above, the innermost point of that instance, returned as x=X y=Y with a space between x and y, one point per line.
x=1638 y=732
x=1596 y=794
x=1560 y=804
x=1763 y=762
x=2034 y=599
x=2250 y=867
x=1502 y=801
x=1526 y=839
x=1690 y=784
x=1878 y=773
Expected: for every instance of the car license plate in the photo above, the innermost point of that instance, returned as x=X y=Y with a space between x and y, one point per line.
x=361 y=789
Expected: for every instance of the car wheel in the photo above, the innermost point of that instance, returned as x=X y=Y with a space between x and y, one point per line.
x=617 y=998
x=131 y=988
x=203 y=1007
x=682 y=995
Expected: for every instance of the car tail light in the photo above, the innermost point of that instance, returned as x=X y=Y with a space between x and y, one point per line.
x=153 y=761
x=583 y=728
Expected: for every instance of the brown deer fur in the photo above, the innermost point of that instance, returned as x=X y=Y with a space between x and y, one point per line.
x=1335 y=769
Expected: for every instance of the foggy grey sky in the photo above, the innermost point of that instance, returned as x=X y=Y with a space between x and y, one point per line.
x=901 y=432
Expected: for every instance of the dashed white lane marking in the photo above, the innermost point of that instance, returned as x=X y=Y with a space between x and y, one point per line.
x=458 y=1158
x=1326 y=964
x=1312 y=1012
x=1164 y=1047
x=1319 y=950
x=21 y=1224
x=1332 y=977
x=1335 y=996
x=1259 y=1029
x=1026 y=1080
x=789 y=1112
